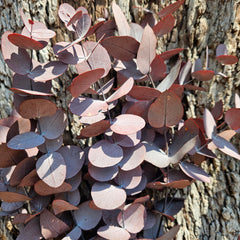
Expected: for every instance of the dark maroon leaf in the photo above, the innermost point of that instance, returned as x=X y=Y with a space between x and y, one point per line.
x=168 y=54
x=170 y=8
x=121 y=47
x=121 y=21
x=147 y=50
x=36 y=108
x=194 y=172
x=164 y=26
x=158 y=68
x=74 y=159
x=144 y=93
x=132 y=157
x=87 y=107
x=24 y=42
x=86 y=217
x=51 y=226
x=127 y=124
x=83 y=81
x=105 y=154
x=132 y=218
x=30 y=179
x=25 y=141
x=107 y=196
x=21 y=170
x=51 y=168
x=75 y=17
x=113 y=233
x=217 y=111
x=167 y=110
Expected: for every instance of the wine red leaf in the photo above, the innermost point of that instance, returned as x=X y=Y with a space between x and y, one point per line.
x=121 y=47
x=24 y=42
x=170 y=8
x=83 y=81
x=203 y=75
x=164 y=26
x=167 y=110
x=13 y=197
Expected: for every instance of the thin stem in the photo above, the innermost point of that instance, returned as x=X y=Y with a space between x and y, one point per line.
x=151 y=80
x=166 y=140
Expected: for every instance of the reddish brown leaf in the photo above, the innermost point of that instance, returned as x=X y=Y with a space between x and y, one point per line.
x=232 y=118
x=83 y=81
x=167 y=110
x=43 y=189
x=30 y=179
x=35 y=108
x=170 y=8
x=95 y=129
x=121 y=47
x=13 y=197
x=168 y=54
x=21 y=170
x=59 y=206
x=164 y=26
x=203 y=75
x=227 y=59
x=10 y=157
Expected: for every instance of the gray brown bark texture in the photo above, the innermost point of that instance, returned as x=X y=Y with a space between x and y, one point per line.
x=211 y=211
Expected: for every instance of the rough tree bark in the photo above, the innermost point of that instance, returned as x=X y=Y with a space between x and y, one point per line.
x=211 y=210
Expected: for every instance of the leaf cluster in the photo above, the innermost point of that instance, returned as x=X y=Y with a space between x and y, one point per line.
x=148 y=145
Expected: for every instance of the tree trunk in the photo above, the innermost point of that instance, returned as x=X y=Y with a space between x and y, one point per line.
x=211 y=210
